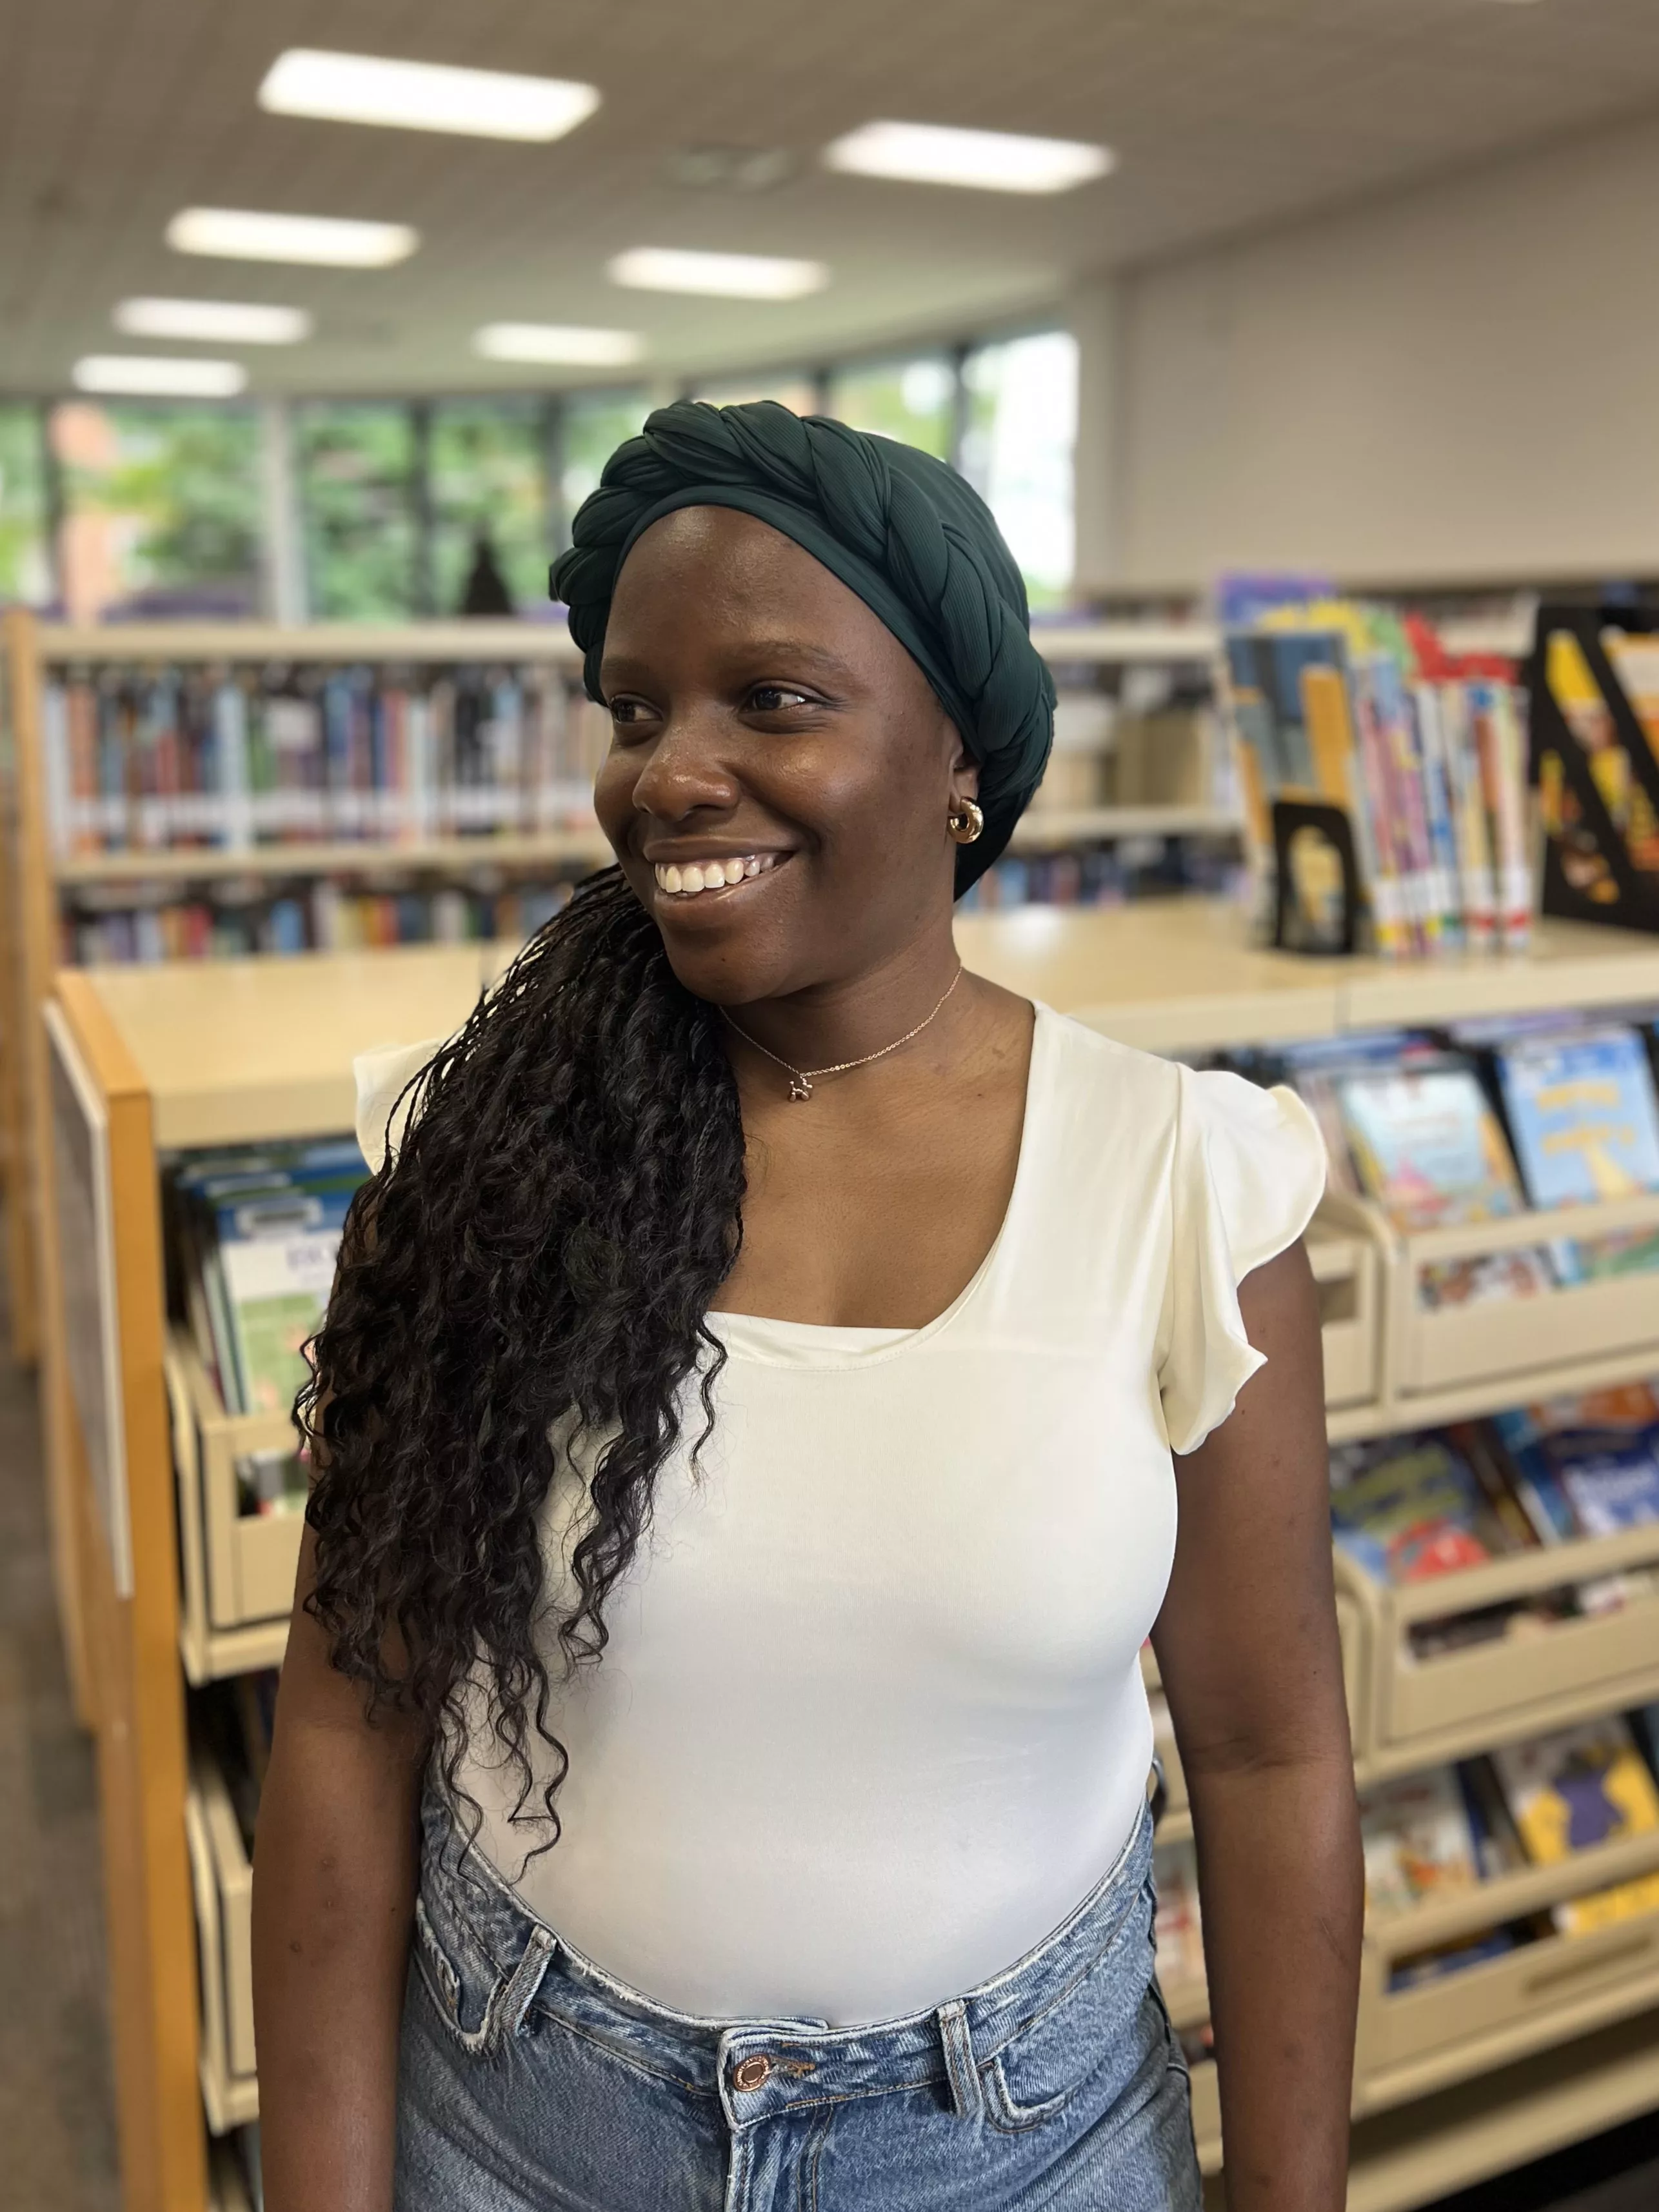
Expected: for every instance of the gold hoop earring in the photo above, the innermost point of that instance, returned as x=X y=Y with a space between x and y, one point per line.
x=965 y=821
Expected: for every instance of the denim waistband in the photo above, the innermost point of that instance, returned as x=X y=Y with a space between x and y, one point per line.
x=758 y=2068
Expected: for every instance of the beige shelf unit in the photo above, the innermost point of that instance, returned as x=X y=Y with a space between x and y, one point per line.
x=197 y=1054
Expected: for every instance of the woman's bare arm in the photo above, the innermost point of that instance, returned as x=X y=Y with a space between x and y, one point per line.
x=335 y=1872
x=1247 y=1645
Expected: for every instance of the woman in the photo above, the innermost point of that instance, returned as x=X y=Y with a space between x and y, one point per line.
x=712 y=1759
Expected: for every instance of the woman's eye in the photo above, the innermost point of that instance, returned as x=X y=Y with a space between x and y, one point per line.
x=774 y=698
x=626 y=713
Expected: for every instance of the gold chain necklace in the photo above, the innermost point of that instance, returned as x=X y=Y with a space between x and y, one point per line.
x=801 y=1080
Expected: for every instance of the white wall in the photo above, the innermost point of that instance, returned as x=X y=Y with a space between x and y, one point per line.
x=1459 y=382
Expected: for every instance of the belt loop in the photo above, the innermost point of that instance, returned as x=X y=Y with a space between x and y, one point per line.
x=520 y=1992
x=967 y=2097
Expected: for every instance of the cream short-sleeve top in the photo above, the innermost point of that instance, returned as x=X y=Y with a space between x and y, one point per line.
x=871 y=1721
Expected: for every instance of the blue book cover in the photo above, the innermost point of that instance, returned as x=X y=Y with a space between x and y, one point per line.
x=1582 y=1115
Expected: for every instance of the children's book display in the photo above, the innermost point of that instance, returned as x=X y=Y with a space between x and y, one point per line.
x=1351 y=722
x=1484 y=1121
x=1593 y=678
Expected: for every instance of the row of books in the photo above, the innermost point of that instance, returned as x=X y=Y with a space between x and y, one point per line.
x=151 y=759
x=1407 y=1509
x=229 y=919
x=1481 y=1122
x=253 y=1235
x=1346 y=705
x=227 y=924
x=1444 y=1832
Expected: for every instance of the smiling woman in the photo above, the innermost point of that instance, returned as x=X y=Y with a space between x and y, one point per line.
x=750 y=1418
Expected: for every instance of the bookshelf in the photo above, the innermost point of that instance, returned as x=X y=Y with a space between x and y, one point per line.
x=1455 y=2080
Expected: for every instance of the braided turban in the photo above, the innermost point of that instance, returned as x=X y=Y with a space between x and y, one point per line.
x=899 y=528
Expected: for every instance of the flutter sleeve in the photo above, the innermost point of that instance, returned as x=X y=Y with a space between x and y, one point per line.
x=383 y=1112
x=1249 y=1170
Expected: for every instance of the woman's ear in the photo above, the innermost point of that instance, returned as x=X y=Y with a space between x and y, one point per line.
x=964 y=772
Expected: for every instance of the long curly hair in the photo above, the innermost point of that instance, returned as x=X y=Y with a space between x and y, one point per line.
x=533 y=1265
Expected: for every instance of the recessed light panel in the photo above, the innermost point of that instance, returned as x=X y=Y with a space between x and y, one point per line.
x=556 y=343
x=153 y=376
x=326 y=240
x=216 y=322
x=720 y=276
x=983 y=161
x=424 y=95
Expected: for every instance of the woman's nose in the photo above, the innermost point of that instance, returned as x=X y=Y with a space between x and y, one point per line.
x=684 y=772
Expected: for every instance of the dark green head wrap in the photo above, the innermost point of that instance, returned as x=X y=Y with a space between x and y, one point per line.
x=917 y=544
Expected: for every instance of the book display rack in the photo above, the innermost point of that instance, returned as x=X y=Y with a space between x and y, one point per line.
x=180 y=1590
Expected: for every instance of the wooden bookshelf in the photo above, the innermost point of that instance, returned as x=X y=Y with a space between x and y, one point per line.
x=197 y=1052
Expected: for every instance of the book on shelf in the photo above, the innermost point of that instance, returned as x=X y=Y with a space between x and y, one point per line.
x=1582 y=1115
x=258 y=1233
x=1573 y=1791
x=1338 y=703
x=1406 y=1508
x=1427 y=1146
x=1419 y=1840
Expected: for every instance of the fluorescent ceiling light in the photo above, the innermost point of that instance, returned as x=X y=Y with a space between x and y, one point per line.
x=155 y=375
x=724 y=275
x=424 y=95
x=985 y=161
x=557 y=342
x=331 y=241
x=219 y=322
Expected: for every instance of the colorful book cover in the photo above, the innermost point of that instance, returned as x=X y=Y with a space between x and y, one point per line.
x=1407 y=1509
x=1571 y=1791
x=1428 y=1148
x=1582 y=1115
x=1417 y=1841
x=1477 y=888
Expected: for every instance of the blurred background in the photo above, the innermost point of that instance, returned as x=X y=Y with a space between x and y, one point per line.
x=1246 y=317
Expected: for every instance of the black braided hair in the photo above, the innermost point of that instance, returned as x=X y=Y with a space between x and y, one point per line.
x=540 y=1253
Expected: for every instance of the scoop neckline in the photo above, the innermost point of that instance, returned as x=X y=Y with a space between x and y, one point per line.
x=802 y=1336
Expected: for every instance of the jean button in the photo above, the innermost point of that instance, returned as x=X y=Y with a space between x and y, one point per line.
x=751 y=2073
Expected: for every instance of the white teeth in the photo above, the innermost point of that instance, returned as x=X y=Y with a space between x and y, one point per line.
x=711 y=875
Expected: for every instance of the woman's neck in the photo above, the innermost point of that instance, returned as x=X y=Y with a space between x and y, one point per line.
x=846 y=1017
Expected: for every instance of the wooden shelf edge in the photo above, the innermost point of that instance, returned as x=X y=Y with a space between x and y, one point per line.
x=1407 y=2158
x=224 y=1652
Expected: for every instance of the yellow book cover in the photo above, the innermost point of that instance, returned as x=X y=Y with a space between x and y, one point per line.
x=1571 y=1791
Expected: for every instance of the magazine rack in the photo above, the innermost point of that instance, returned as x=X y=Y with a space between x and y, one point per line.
x=1630 y=895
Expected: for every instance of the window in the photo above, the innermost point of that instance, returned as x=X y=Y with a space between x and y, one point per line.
x=913 y=401
x=1018 y=438
x=357 y=505
x=487 y=478
x=162 y=509
x=592 y=424
x=25 y=563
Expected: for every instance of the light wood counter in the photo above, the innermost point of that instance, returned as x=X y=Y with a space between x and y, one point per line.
x=235 y=1049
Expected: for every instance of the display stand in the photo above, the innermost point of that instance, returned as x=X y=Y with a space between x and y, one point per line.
x=1455 y=2079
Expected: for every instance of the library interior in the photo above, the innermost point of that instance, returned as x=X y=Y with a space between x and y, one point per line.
x=318 y=333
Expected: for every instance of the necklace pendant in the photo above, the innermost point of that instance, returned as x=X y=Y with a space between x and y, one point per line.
x=800 y=1087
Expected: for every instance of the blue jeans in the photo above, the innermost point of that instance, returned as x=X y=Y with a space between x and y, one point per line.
x=529 y=2079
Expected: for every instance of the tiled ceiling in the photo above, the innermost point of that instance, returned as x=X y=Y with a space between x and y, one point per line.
x=1224 y=114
